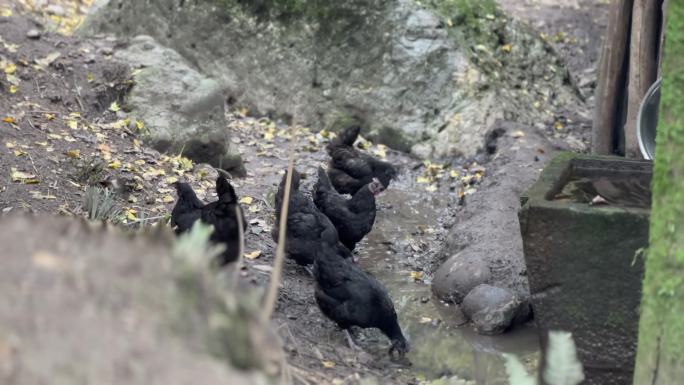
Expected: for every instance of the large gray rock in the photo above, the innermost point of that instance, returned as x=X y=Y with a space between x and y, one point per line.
x=493 y=309
x=459 y=275
x=182 y=109
x=392 y=62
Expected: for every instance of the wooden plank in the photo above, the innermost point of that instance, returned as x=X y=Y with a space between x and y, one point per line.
x=611 y=78
x=643 y=62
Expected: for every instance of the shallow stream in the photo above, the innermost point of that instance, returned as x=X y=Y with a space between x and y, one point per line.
x=442 y=344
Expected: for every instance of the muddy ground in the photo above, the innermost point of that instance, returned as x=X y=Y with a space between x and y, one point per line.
x=60 y=132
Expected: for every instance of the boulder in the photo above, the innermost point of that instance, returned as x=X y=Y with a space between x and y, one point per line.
x=492 y=309
x=85 y=303
x=459 y=275
x=397 y=64
x=183 y=110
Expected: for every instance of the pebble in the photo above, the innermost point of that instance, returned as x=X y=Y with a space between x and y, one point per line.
x=33 y=34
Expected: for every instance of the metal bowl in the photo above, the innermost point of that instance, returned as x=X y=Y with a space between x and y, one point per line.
x=647 y=121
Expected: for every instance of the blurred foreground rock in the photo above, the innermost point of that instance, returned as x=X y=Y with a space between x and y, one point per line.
x=91 y=305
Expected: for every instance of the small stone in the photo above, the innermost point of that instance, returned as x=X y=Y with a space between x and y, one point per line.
x=459 y=275
x=33 y=34
x=492 y=309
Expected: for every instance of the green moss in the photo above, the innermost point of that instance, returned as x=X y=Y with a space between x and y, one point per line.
x=660 y=358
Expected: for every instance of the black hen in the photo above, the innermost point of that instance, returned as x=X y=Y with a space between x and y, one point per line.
x=351 y=169
x=304 y=225
x=187 y=209
x=353 y=218
x=350 y=297
x=221 y=214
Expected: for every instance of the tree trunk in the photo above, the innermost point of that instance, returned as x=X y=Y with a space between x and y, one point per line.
x=611 y=78
x=643 y=59
x=660 y=356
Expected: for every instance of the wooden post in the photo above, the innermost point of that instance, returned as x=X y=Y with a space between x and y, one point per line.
x=643 y=62
x=660 y=356
x=611 y=78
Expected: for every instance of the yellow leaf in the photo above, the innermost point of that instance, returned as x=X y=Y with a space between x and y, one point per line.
x=431 y=188
x=171 y=179
x=10 y=145
x=184 y=163
x=417 y=275
x=55 y=136
x=131 y=214
x=90 y=77
x=115 y=164
x=454 y=174
x=9 y=120
x=72 y=124
x=13 y=89
x=449 y=22
x=253 y=255
x=42 y=144
x=13 y=80
x=328 y=364
x=19 y=152
x=48 y=116
x=506 y=48
x=380 y=151
x=10 y=69
x=425 y=320
x=5 y=12
x=558 y=125
x=518 y=134
x=242 y=111
x=114 y=107
x=254 y=209
x=246 y=200
x=167 y=199
x=139 y=124
x=423 y=179
x=75 y=154
x=20 y=176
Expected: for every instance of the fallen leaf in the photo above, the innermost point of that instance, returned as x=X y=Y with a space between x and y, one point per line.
x=114 y=107
x=49 y=59
x=13 y=89
x=19 y=152
x=417 y=275
x=431 y=188
x=253 y=255
x=20 y=176
x=72 y=124
x=90 y=77
x=167 y=199
x=10 y=145
x=328 y=364
x=75 y=154
x=454 y=174
x=506 y=48
x=425 y=320
x=170 y=180
x=131 y=214
x=247 y=200
x=423 y=179
x=517 y=134
x=5 y=12
x=115 y=164
x=10 y=69
x=9 y=120
x=558 y=125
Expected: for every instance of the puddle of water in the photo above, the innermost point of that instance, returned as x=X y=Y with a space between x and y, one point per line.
x=620 y=191
x=439 y=346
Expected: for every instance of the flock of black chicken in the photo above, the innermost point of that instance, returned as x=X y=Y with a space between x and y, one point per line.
x=322 y=231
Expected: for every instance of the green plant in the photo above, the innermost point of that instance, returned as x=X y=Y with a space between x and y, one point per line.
x=88 y=170
x=100 y=204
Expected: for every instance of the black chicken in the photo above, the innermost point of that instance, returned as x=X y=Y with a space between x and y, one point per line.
x=221 y=214
x=350 y=297
x=353 y=218
x=305 y=223
x=351 y=169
